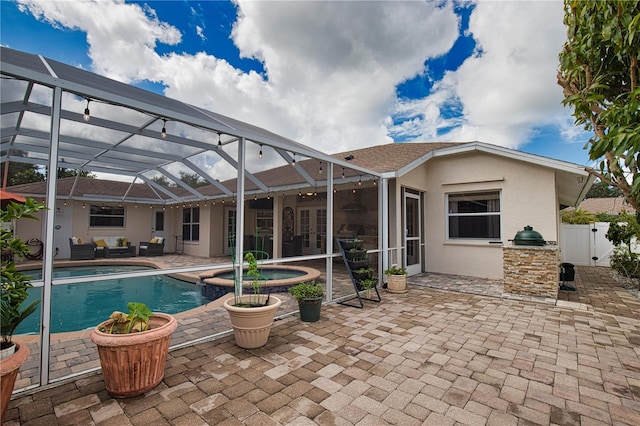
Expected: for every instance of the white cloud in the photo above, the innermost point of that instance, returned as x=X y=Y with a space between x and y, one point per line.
x=331 y=67
x=508 y=88
x=200 y=32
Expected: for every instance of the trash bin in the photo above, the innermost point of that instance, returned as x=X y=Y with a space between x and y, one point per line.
x=567 y=273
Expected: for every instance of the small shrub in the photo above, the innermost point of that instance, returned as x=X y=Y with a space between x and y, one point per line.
x=311 y=290
x=625 y=262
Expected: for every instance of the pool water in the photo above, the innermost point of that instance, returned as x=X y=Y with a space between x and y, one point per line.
x=82 y=306
x=266 y=274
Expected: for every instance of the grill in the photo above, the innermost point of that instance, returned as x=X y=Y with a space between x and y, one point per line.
x=528 y=237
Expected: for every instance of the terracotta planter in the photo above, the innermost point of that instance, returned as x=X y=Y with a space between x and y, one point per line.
x=9 y=368
x=251 y=326
x=397 y=283
x=133 y=364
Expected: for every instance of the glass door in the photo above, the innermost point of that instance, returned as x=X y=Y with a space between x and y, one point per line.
x=413 y=233
x=312 y=226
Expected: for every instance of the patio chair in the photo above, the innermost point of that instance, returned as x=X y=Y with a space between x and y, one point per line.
x=155 y=247
x=82 y=251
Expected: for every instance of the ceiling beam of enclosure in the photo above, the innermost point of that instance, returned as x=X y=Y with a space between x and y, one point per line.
x=131 y=132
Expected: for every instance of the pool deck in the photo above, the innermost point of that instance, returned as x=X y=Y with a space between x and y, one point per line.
x=453 y=350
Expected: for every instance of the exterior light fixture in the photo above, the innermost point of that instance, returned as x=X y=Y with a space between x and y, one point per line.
x=87 y=114
x=293 y=163
x=260 y=153
x=320 y=169
x=163 y=133
x=360 y=181
x=343 y=173
x=219 y=141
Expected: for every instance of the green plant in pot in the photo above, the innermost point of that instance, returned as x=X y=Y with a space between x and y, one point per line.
x=309 y=296
x=133 y=349
x=252 y=314
x=14 y=292
x=396 y=279
x=367 y=284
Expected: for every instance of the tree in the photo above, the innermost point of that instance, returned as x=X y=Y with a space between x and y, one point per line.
x=599 y=75
x=21 y=173
x=192 y=179
x=602 y=189
x=163 y=181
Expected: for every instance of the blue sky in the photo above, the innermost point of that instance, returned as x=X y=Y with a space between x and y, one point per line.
x=336 y=75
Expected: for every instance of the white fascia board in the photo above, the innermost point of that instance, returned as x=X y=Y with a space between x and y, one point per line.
x=496 y=150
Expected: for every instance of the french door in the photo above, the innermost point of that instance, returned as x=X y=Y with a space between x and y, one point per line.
x=312 y=226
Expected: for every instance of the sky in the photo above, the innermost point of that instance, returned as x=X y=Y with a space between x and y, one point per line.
x=335 y=75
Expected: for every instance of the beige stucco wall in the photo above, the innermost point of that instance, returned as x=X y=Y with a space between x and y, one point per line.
x=528 y=198
x=137 y=227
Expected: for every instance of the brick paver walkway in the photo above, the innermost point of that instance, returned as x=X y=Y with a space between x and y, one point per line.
x=425 y=357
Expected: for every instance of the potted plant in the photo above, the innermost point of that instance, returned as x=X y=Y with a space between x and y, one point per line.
x=362 y=273
x=309 y=296
x=133 y=349
x=14 y=285
x=366 y=285
x=356 y=253
x=251 y=315
x=350 y=243
x=396 y=279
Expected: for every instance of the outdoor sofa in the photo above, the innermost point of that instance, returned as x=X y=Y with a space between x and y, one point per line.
x=117 y=246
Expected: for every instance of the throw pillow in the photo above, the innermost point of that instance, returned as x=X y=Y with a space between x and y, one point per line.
x=74 y=240
x=124 y=242
x=79 y=240
x=100 y=243
x=160 y=240
x=154 y=240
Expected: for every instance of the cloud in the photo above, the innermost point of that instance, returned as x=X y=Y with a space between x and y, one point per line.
x=508 y=88
x=332 y=68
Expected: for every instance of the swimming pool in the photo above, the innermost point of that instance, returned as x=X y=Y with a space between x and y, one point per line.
x=82 y=306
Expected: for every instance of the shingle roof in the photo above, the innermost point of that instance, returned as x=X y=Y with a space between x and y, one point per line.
x=90 y=187
x=612 y=206
x=379 y=158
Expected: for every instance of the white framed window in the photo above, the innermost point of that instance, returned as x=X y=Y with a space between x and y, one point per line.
x=106 y=216
x=474 y=215
x=191 y=224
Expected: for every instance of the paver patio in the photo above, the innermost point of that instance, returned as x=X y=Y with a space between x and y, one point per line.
x=429 y=356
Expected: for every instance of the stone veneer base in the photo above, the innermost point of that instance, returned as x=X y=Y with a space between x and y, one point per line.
x=531 y=270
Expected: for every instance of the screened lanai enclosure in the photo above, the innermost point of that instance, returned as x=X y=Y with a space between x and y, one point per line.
x=249 y=187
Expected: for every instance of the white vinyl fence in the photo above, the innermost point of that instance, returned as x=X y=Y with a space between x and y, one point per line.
x=587 y=245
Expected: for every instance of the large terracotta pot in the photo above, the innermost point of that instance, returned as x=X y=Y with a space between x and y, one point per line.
x=9 y=368
x=397 y=283
x=133 y=364
x=251 y=326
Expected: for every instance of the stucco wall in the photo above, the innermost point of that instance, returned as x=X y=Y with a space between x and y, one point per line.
x=528 y=198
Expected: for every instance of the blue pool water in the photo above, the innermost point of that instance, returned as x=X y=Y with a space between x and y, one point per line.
x=81 y=306
x=266 y=274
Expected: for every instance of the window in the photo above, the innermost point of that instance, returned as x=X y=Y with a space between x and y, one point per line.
x=106 y=216
x=264 y=222
x=474 y=215
x=191 y=224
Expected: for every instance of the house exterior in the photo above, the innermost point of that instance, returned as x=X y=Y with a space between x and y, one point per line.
x=461 y=204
